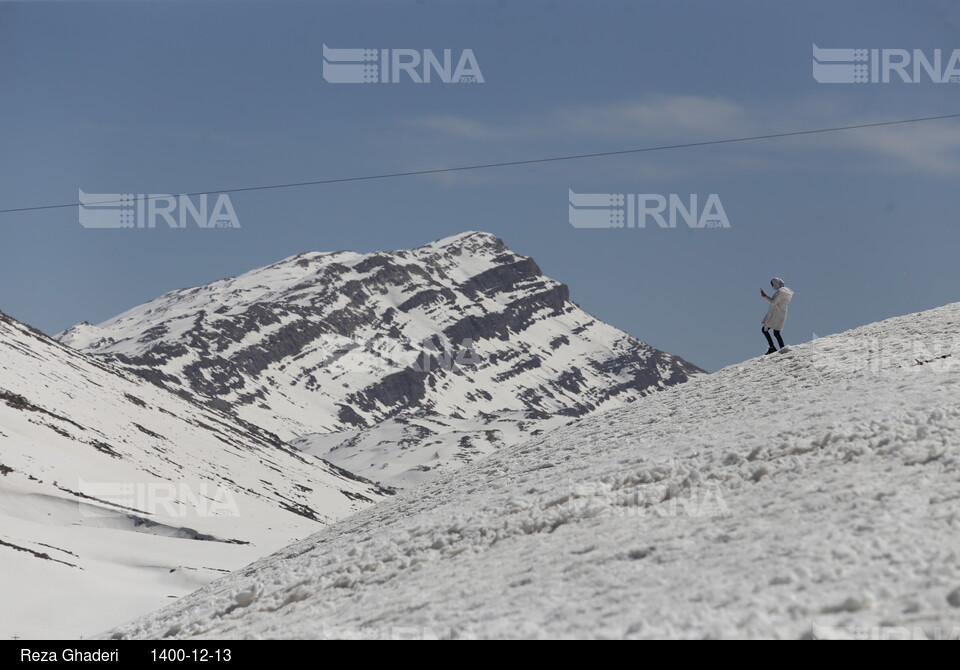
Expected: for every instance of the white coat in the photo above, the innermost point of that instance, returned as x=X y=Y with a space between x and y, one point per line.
x=777 y=314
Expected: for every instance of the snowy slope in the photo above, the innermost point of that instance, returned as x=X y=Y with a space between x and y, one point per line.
x=333 y=342
x=116 y=495
x=806 y=494
x=413 y=448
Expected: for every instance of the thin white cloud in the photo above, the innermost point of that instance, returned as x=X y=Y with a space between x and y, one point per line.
x=652 y=115
x=656 y=115
x=933 y=147
x=662 y=119
x=460 y=128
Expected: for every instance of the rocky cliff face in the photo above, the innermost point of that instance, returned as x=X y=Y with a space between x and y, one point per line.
x=327 y=342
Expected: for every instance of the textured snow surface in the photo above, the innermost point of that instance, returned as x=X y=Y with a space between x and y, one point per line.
x=116 y=495
x=807 y=494
x=409 y=450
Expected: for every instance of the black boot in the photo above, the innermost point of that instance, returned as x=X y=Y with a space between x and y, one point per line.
x=766 y=334
x=771 y=350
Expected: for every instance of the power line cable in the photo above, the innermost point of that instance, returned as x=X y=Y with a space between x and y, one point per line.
x=529 y=161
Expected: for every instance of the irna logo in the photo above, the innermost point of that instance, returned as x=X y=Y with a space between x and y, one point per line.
x=128 y=210
x=393 y=66
x=883 y=66
x=637 y=210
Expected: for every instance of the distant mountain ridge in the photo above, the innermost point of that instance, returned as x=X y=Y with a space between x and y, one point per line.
x=320 y=343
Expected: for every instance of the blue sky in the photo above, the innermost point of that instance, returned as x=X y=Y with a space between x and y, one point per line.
x=173 y=97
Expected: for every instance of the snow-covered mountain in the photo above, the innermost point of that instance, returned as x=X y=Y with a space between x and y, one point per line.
x=812 y=493
x=116 y=494
x=320 y=343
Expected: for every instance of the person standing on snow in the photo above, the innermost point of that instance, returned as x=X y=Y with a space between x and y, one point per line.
x=777 y=314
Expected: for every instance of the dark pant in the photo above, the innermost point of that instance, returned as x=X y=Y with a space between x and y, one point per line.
x=766 y=334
